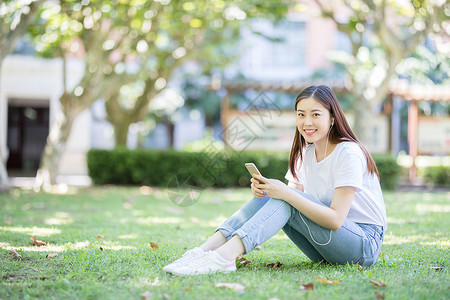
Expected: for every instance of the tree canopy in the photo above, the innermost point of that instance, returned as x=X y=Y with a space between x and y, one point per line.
x=132 y=43
x=382 y=34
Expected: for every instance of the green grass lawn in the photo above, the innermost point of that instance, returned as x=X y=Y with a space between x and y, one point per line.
x=103 y=239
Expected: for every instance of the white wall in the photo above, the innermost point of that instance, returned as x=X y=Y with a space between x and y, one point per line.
x=37 y=80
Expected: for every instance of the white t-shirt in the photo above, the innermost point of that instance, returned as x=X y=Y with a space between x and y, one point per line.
x=345 y=166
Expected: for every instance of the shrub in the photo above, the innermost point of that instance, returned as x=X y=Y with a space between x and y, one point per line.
x=438 y=175
x=173 y=168
x=388 y=169
x=201 y=169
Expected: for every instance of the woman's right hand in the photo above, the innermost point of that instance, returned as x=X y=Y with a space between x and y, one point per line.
x=255 y=191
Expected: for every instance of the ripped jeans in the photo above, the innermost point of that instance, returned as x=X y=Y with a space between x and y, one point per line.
x=260 y=219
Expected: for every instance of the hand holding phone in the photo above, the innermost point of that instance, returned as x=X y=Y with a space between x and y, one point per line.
x=252 y=169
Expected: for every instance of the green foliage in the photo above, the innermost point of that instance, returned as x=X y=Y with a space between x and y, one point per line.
x=202 y=169
x=388 y=169
x=438 y=175
x=159 y=168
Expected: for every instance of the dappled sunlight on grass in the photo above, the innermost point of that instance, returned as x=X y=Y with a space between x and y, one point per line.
x=391 y=221
x=46 y=248
x=119 y=247
x=128 y=236
x=159 y=220
x=280 y=236
x=139 y=213
x=150 y=282
x=78 y=246
x=215 y=222
x=57 y=221
x=65 y=247
x=444 y=244
x=32 y=230
x=124 y=220
x=391 y=239
x=435 y=208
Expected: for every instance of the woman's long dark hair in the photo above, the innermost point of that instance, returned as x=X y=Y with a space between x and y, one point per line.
x=340 y=132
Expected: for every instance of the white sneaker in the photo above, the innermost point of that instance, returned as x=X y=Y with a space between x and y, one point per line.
x=208 y=263
x=185 y=258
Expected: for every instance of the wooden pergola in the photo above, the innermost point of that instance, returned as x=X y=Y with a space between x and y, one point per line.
x=401 y=88
x=414 y=94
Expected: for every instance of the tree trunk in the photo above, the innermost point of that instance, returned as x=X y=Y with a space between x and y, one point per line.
x=56 y=142
x=121 y=133
x=119 y=118
x=361 y=117
x=171 y=128
x=4 y=182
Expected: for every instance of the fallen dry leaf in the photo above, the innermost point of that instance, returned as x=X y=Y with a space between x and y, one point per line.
x=145 y=190
x=51 y=255
x=188 y=288
x=144 y=296
x=273 y=265
x=36 y=242
x=376 y=283
x=258 y=248
x=7 y=222
x=14 y=276
x=99 y=236
x=307 y=287
x=234 y=286
x=14 y=254
x=324 y=280
x=243 y=261
x=378 y=296
x=154 y=246
x=127 y=205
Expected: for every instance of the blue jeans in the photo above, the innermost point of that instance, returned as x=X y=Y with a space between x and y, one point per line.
x=260 y=219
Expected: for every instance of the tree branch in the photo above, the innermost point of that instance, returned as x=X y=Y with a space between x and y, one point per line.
x=9 y=41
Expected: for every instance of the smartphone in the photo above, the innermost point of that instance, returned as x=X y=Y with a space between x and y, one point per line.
x=252 y=169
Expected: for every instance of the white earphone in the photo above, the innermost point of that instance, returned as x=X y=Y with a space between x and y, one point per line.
x=325 y=154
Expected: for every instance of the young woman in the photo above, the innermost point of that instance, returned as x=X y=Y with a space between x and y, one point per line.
x=332 y=208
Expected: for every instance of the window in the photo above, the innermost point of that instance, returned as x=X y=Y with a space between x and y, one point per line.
x=283 y=56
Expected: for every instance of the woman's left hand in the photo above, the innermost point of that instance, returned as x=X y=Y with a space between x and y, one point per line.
x=272 y=187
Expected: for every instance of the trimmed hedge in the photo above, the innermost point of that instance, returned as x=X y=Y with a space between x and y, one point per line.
x=438 y=175
x=388 y=169
x=201 y=169
x=172 y=168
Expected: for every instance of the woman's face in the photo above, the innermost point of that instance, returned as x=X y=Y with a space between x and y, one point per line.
x=313 y=121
